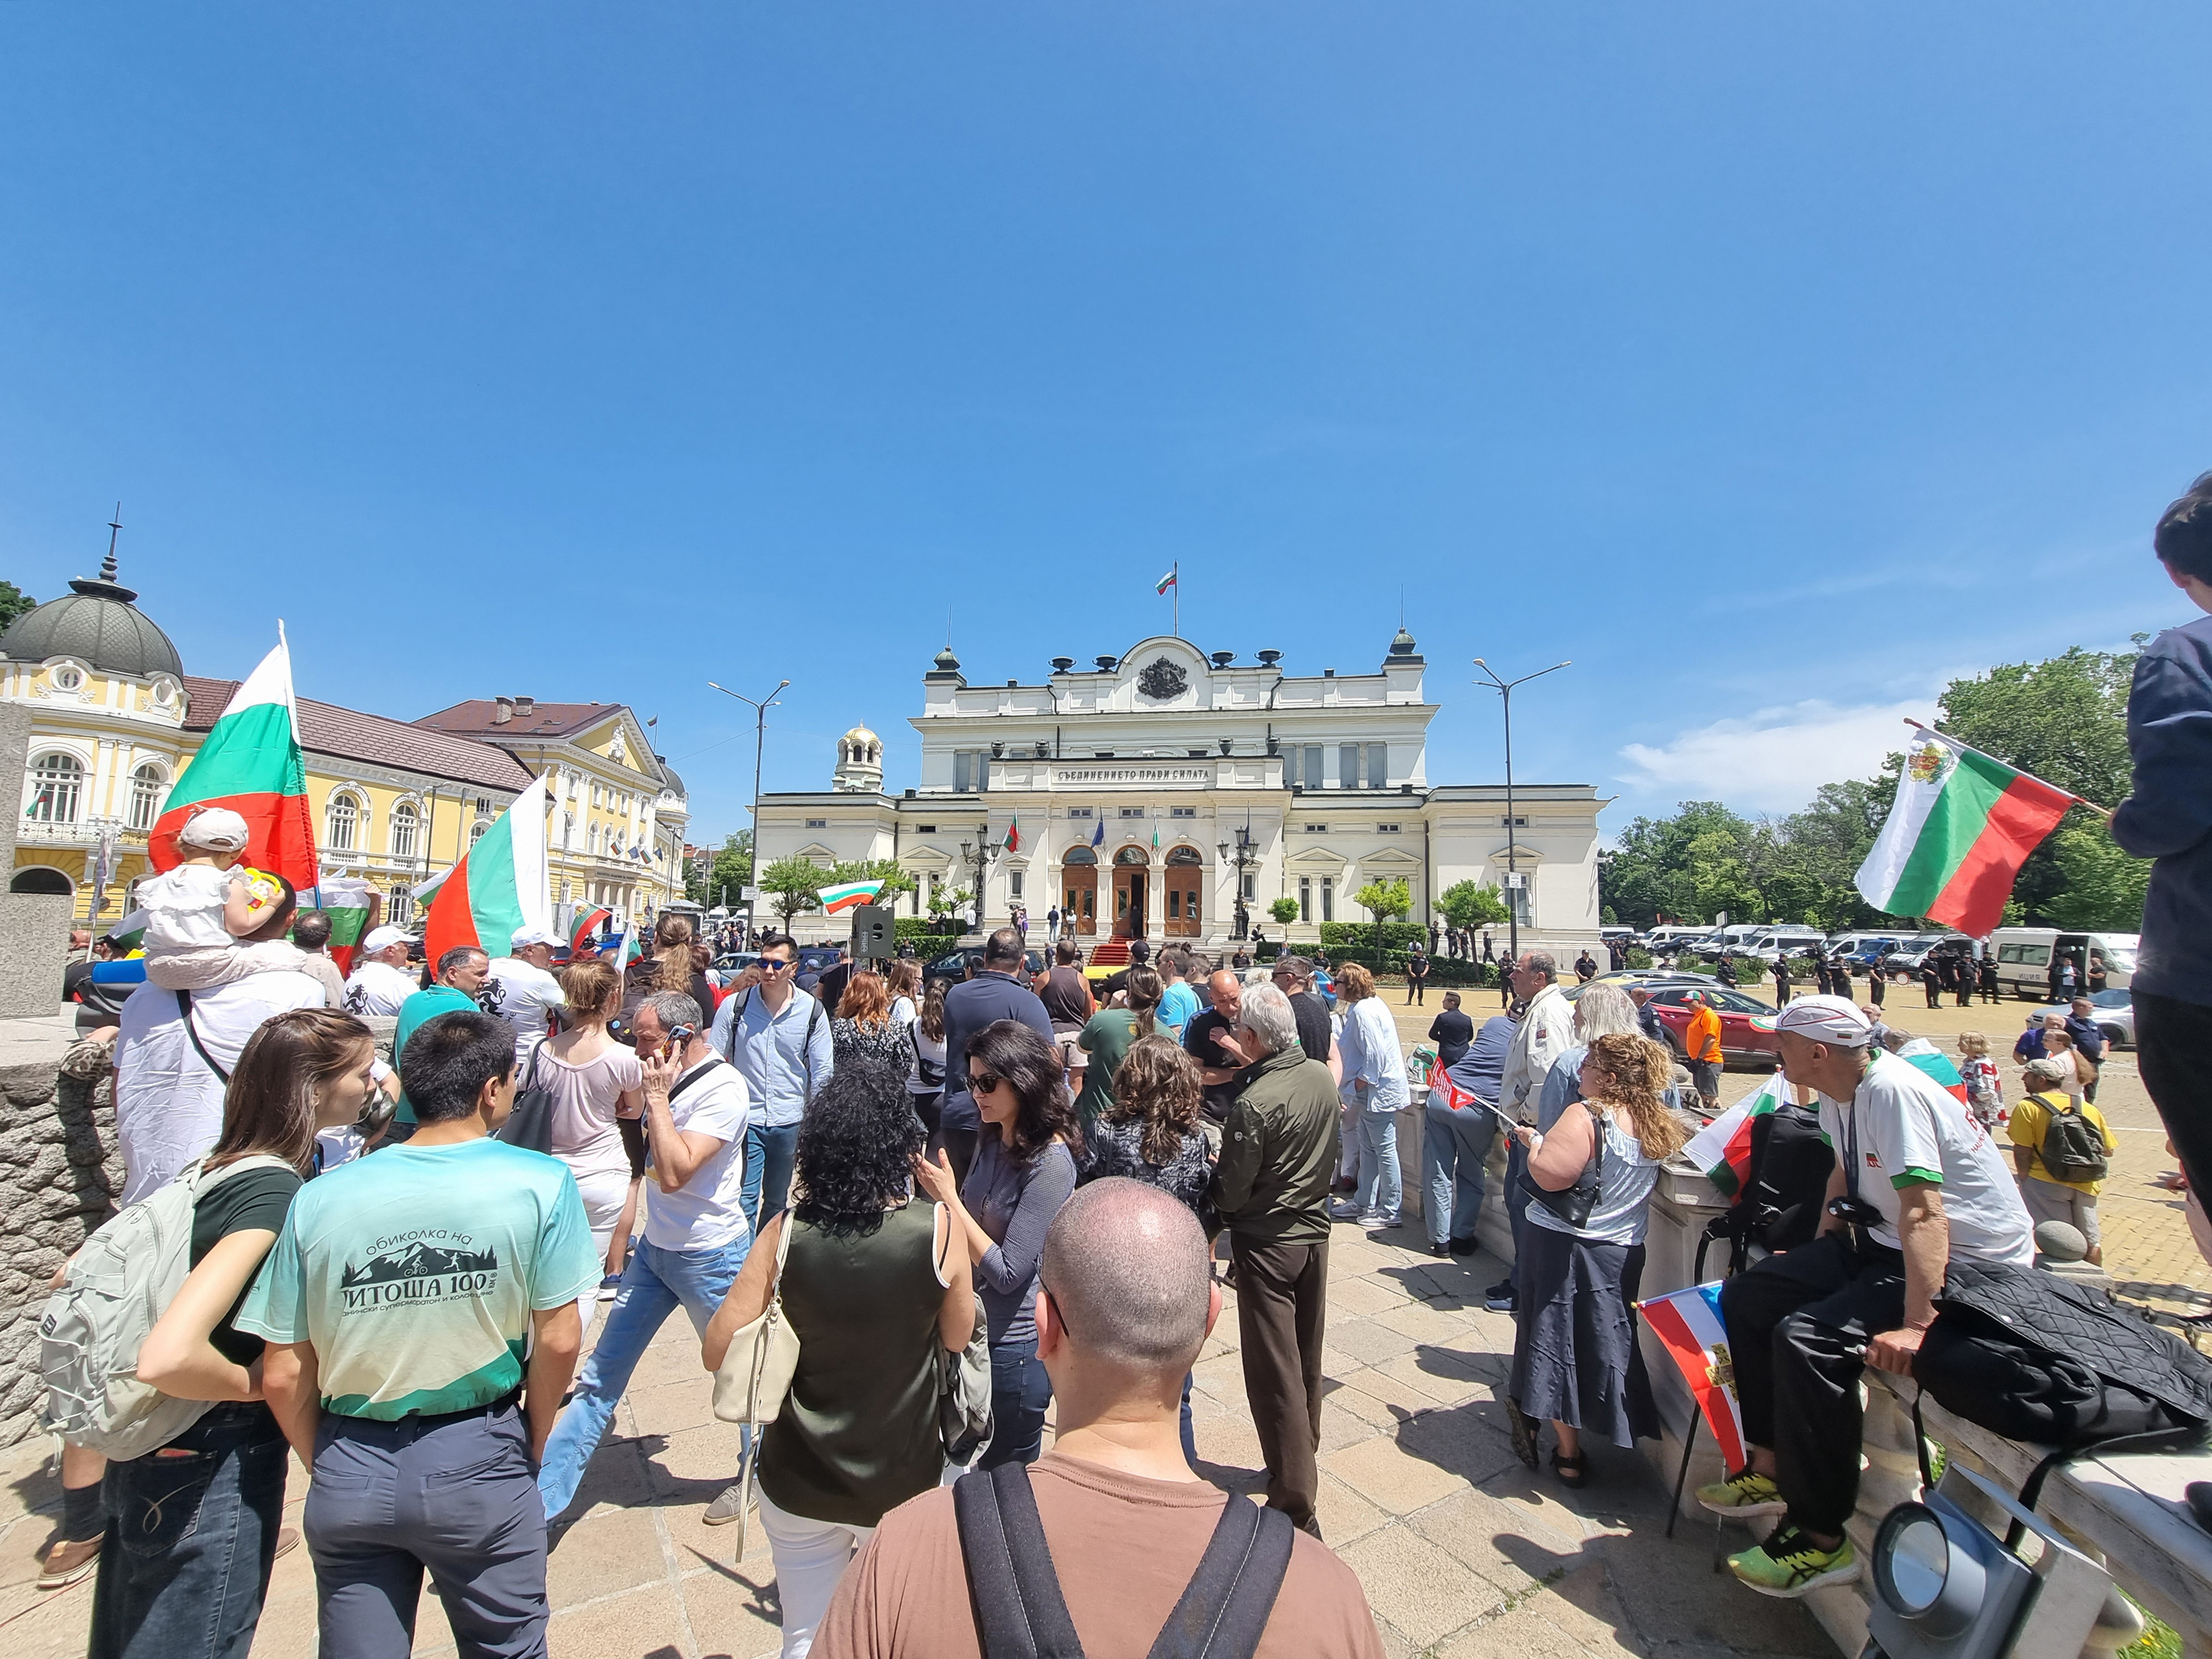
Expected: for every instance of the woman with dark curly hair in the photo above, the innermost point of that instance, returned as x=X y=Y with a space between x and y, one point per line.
x=1575 y=1358
x=876 y=1286
x=1024 y=1170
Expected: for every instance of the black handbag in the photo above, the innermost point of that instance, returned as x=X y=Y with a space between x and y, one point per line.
x=1572 y=1204
x=529 y=1124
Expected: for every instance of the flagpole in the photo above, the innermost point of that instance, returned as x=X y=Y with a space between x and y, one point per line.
x=1175 y=570
x=2078 y=800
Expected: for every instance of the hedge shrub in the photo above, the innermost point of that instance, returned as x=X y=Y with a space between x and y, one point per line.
x=1356 y=935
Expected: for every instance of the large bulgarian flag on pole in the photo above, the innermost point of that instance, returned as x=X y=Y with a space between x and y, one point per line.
x=499 y=885
x=1962 y=825
x=249 y=761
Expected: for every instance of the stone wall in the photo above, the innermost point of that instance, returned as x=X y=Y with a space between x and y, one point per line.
x=59 y=1175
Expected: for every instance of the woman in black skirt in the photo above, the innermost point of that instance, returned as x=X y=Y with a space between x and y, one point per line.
x=1575 y=1360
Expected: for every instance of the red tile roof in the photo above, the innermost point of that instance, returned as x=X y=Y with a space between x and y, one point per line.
x=348 y=734
x=544 y=720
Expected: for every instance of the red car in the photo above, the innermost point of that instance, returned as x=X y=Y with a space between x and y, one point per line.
x=1747 y=1023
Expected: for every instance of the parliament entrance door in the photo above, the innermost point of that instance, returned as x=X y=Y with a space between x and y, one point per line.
x=1078 y=891
x=1181 y=883
x=1130 y=871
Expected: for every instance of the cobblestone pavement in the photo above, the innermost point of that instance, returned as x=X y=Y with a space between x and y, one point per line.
x=1463 y=1551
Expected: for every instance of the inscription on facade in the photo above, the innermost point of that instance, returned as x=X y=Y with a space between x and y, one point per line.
x=1067 y=775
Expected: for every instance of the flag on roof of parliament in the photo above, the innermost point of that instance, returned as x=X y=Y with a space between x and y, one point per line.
x=249 y=761
x=1166 y=582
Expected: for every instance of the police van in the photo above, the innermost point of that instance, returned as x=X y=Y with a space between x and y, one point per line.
x=2025 y=955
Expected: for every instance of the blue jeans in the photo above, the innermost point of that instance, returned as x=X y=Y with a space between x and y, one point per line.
x=654 y=1285
x=191 y=1531
x=449 y=1495
x=1452 y=1147
x=1381 y=1189
x=769 y=1153
x=1020 y=1391
x=1516 y=1202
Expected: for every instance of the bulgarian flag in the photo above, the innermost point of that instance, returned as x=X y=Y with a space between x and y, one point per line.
x=345 y=901
x=1014 y=834
x=499 y=885
x=1168 y=581
x=1688 y=1325
x=1932 y=1062
x=1962 y=826
x=250 y=763
x=848 y=896
x=586 y=924
x=1722 y=1148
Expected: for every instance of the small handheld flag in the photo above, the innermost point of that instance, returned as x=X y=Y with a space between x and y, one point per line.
x=586 y=924
x=1722 y=1148
x=848 y=896
x=1689 y=1326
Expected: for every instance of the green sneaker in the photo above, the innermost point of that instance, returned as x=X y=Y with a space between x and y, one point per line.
x=1743 y=1495
x=1789 y=1567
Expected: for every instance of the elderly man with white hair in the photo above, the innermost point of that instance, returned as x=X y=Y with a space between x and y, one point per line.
x=1918 y=1184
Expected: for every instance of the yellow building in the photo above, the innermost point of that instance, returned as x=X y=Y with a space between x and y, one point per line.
x=115 y=719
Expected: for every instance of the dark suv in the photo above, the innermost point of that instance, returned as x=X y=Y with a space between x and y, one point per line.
x=955 y=964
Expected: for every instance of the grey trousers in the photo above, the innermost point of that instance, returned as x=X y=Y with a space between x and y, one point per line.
x=453 y=1496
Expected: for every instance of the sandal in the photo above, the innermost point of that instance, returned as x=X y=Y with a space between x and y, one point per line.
x=1573 y=1472
x=1524 y=1430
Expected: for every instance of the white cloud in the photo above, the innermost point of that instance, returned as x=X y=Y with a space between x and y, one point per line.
x=1773 y=761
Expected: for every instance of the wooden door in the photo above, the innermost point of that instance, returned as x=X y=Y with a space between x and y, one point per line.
x=1181 y=889
x=1129 y=902
x=1078 y=898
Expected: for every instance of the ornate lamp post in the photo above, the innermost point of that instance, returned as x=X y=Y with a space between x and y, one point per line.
x=1504 y=690
x=1240 y=858
x=977 y=855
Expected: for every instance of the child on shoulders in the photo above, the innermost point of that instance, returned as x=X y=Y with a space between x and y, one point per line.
x=198 y=914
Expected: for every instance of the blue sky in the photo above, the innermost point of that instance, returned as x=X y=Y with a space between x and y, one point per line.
x=1771 y=362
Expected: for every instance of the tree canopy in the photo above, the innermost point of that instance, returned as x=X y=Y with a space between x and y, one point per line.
x=14 y=603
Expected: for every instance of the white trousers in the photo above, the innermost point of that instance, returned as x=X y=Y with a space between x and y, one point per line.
x=810 y=1557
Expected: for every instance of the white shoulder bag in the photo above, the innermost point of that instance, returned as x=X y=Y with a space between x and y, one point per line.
x=754 y=1374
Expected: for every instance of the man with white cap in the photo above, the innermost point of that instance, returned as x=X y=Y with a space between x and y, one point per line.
x=1918 y=1184
x=381 y=981
x=522 y=991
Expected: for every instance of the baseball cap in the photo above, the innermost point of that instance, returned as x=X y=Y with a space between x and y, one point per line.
x=383 y=938
x=1833 y=1020
x=528 y=934
x=217 y=829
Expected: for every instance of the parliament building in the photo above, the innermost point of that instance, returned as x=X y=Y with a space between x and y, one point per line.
x=1171 y=795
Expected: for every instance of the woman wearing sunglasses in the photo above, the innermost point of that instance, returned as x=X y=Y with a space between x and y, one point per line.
x=1024 y=1170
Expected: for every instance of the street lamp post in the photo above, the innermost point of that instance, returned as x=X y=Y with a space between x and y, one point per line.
x=761 y=705
x=976 y=854
x=1239 y=858
x=1504 y=690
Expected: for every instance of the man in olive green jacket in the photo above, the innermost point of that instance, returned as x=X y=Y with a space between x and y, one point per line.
x=1278 y=1153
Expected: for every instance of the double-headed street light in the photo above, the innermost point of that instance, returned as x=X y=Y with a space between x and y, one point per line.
x=977 y=855
x=1504 y=690
x=761 y=705
x=1239 y=858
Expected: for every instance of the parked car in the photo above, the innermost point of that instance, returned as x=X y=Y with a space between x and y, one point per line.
x=1864 y=950
x=2024 y=957
x=1670 y=936
x=2115 y=1016
x=953 y=964
x=728 y=966
x=1747 y=1023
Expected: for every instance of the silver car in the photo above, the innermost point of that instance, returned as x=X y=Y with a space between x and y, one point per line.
x=2115 y=1016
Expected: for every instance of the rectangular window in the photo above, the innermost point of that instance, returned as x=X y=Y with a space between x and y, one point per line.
x=1386 y=829
x=1347 y=766
x=1182 y=811
x=1290 y=767
x=963 y=771
x=818 y=824
x=983 y=771
x=925 y=829
x=1251 y=887
x=1378 y=766
x=1133 y=812
x=1014 y=884
x=1305 y=899
x=1079 y=811
x=1328 y=898
x=1516 y=895
x=1311 y=774
x=1316 y=828
x=1513 y=823
x=1175 y=905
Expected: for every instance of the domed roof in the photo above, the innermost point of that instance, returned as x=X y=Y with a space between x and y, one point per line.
x=97 y=624
x=861 y=734
x=945 y=661
x=675 y=783
x=1402 y=646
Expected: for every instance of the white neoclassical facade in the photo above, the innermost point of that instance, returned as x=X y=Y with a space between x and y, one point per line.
x=1127 y=793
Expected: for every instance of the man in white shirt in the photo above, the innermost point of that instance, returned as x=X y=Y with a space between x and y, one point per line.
x=1917 y=1185
x=1547 y=1030
x=522 y=991
x=695 y=1235
x=380 y=979
x=170 y=1077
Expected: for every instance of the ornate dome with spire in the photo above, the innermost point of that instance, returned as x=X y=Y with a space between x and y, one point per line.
x=97 y=624
x=946 y=662
x=1403 y=644
x=860 y=762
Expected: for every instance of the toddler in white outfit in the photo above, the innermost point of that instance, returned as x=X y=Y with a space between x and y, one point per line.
x=196 y=913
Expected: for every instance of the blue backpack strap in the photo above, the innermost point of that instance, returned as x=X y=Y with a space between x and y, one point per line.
x=1019 y=1611
x=1225 y=1608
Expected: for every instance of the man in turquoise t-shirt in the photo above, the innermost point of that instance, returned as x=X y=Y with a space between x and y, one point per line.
x=1179 y=1004
x=461 y=974
x=412 y=1298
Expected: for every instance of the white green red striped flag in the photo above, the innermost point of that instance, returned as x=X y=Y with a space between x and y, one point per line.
x=588 y=924
x=1722 y=1148
x=345 y=901
x=1962 y=825
x=499 y=885
x=249 y=761
x=1168 y=581
x=848 y=896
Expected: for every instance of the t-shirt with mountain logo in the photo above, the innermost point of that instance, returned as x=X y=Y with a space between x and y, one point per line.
x=414 y=1272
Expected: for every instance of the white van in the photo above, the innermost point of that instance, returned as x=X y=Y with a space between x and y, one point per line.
x=2025 y=954
x=1736 y=937
x=1770 y=942
x=1659 y=938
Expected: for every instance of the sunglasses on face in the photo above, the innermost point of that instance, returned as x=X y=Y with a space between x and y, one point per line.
x=772 y=965
x=983 y=1082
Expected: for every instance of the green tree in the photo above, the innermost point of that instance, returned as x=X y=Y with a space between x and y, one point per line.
x=1471 y=904
x=731 y=869
x=14 y=603
x=1284 y=910
x=790 y=885
x=1383 y=901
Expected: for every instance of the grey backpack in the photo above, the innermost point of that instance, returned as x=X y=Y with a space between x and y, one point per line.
x=112 y=1291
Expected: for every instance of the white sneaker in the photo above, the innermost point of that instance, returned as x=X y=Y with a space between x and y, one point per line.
x=1375 y=1222
x=1346 y=1212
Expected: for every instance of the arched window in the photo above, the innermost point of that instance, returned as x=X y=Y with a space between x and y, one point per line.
x=148 y=784
x=1185 y=855
x=1079 y=855
x=476 y=832
x=405 y=822
x=56 y=787
x=1131 y=856
x=342 y=823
